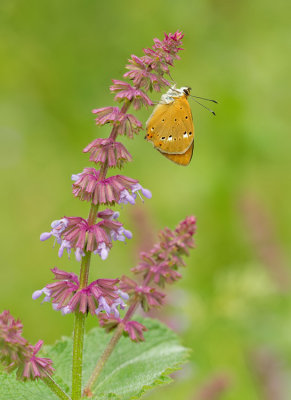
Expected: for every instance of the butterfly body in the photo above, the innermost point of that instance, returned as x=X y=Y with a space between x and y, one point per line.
x=170 y=127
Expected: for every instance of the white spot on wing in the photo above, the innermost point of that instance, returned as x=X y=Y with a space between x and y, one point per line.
x=185 y=135
x=170 y=138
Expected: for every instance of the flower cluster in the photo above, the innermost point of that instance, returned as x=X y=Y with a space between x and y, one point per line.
x=114 y=153
x=133 y=329
x=116 y=189
x=157 y=267
x=17 y=354
x=125 y=91
x=76 y=233
x=126 y=124
x=160 y=264
x=67 y=296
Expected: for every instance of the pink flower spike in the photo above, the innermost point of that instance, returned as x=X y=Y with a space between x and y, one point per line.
x=10 y=330
x=17 y=354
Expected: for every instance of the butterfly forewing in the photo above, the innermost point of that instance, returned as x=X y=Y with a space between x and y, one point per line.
x=170 y=128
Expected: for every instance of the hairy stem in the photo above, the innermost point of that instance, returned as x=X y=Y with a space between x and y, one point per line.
x=48 y=380
x=79 y=329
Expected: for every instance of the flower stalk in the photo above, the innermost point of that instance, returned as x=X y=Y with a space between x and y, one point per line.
x=48 y=380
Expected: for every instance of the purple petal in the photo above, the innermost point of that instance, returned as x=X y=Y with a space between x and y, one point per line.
x=36 y=294
x=147 y=193
x=127 y=234
x=45 y=235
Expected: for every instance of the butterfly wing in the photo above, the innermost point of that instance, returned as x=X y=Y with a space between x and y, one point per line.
x=170 y=127
x=181 y=159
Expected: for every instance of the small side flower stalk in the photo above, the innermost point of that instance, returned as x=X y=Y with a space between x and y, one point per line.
x=94 y=236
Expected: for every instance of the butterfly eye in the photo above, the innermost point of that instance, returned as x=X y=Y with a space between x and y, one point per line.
x=186 y=91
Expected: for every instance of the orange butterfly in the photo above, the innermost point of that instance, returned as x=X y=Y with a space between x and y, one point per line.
x=170 y=127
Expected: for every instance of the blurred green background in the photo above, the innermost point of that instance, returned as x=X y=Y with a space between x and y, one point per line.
x=233 y=307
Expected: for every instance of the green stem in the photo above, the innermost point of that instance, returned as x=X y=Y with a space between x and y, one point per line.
x=79 y=329
x=48 y=380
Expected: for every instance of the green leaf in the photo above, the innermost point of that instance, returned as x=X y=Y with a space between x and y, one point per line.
x=132 y=369
x=11 y=389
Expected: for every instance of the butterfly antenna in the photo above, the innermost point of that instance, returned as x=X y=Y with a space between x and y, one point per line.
x=212 y=112
x=203 y=98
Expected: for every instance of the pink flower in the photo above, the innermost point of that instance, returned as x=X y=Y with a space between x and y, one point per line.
x=17 y=354
x=125 y=91
x=89 y=298
x=115 y=189
x=149 y=296
x=125 y=124
x=35 y=367
x=81 y=236
x=67 y=296
x=106 y=150
x=133 y=329
x=148 y=71
x=169 y=47
x=161 y=273
x=141 y=75
x=106 y=115
x=109 y=322
x=10 y=329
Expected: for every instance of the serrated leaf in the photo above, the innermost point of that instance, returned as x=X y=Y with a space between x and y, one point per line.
x=132 y=369
x=12 y=389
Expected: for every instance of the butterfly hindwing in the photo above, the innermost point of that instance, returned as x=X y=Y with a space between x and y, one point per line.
x=181 y=159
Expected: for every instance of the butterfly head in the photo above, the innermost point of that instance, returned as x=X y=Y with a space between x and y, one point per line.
x=173 y=93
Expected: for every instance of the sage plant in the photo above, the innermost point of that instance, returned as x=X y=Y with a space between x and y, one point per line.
x=105 y=299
